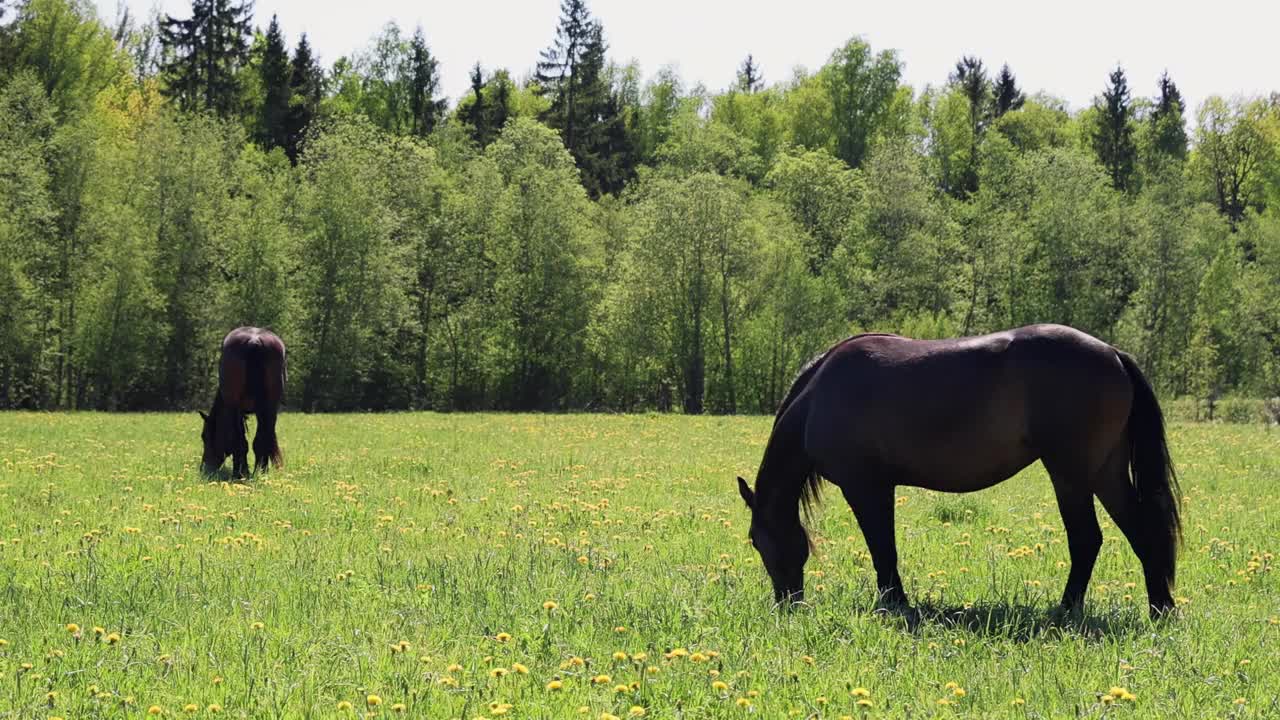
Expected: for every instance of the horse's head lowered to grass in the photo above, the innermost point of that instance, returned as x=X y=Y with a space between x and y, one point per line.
x=782 y=543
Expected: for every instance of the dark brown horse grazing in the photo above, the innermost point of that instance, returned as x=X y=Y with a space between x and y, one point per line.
x=877 y=411
x=251 y=378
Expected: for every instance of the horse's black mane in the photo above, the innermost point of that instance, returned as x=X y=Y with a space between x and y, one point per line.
x=811 y=486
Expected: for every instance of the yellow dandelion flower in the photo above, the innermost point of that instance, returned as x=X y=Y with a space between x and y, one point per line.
x=864 y=702
x=860 y=692
x=620 y=629
x=217 y=679
x=1017 y=701
x=99 y=631
x=190 y=708
x=719 y=686
x=1240 y=701
x=944 y=701
x=806 y=659
x=958 y=692
x=155 y=710
x=373 y=701
x=601 y=680
x=619 y=656
x=555 y=685
x=215 y=708
x=454 y=668
x=73 y=628
x=521 y=669
x=113 y=638
x=1107 y=699
x=621 y=689
x=502 y=637
x=636 y=711
x=743 y=702
x=344 y=705
x=257 y=626
x=607 y=716
x=677 y=653
x=550 y=605
x=589 y=597
x=821 y=700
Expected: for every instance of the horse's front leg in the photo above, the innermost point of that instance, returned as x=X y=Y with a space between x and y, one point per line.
x=240 y=448
x=872 y=504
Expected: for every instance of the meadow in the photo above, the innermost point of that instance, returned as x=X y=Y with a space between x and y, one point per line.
x=527 y=566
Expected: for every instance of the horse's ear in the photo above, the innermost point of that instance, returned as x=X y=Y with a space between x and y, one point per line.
x=202 y=415
x=745 y=491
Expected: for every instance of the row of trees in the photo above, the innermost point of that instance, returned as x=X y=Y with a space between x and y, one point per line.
x=586 y=238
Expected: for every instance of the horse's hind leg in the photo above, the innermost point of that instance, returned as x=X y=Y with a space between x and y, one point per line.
x=264 y=441
x=1084 y=537
x=872 y=503
x=240 y=448
x=1120 y=498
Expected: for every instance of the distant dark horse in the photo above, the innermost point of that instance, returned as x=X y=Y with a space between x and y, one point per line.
x=251 y=378
x=877 y=411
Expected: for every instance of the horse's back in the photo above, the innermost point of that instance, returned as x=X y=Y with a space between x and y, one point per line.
x=971 y=410
x=252 y=369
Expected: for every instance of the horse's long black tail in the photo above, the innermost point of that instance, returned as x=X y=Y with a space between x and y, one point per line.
x=1159 y=498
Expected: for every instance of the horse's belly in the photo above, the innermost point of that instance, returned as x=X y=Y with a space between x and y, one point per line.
x=966 y=477
x=963 y=463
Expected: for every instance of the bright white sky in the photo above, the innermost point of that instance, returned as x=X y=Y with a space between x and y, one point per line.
x=1065 y=48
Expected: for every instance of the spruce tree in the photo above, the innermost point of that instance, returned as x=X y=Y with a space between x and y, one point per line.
x=1006 y=92
x=1113 y=134
x=558 y=72
x=274 y=72
x=970 y=77
x=306 y=90
x=474 y=115
x=583 y=108
x=749 y=78
x=424 y=82
x=205 y=52
x=1168 y=125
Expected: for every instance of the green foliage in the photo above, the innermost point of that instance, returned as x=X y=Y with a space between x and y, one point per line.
x=72 y=54
x=861 y=87
x=351 y=288
x=587 y=237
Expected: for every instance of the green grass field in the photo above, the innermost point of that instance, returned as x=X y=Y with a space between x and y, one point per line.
x=459 y=566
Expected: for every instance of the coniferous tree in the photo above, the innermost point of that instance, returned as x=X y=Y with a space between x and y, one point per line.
x=205 y=51
x=1113 y=134
x=970 y=77
x=749 y=78
x=274 y=71
x=583 y=108
x=424 y=82
x=1169 y=129
x=1006 y=92
x=559 y=73
x=306 y=89
x=474 y=114
x=499 y=108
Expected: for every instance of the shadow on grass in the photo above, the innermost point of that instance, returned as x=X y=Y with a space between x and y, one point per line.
x=1019 y=622
x=223 y=474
